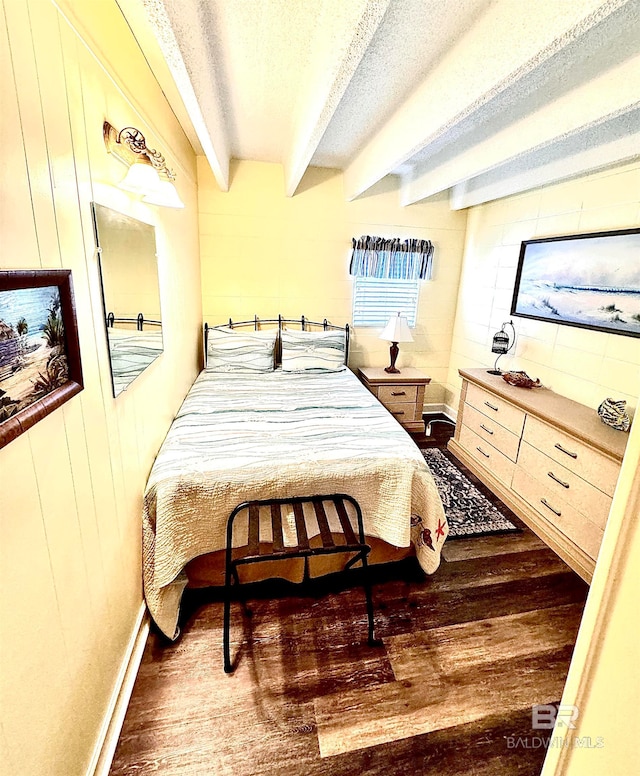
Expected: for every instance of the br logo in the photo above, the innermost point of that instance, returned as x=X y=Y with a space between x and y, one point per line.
x=544 y=716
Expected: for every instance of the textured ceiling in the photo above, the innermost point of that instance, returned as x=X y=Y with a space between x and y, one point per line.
x=482 y=98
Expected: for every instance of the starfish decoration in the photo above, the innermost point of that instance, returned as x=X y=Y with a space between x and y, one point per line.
x=440 y=529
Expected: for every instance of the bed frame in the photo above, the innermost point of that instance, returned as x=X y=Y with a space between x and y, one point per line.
x=139 y=321
x=257 y=324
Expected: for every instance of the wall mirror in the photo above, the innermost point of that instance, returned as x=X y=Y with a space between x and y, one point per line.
x=130 y=293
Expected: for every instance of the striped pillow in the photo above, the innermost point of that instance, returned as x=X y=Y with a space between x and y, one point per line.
x=230 y=351
x=313 y=351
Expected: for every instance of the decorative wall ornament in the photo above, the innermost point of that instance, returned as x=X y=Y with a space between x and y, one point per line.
x=613 y=413
x=40 y=365
x=148 y=173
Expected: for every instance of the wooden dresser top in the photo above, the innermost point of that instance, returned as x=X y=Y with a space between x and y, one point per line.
x=577 y=419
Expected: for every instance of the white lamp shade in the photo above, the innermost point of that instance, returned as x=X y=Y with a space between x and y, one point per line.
x=397 y=330
x=141 y=178
x=165 y=195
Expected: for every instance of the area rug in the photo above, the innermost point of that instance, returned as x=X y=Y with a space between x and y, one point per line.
x=469 y=512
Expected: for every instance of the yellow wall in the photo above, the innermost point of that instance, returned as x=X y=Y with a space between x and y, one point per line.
x=263 y=253
x=584 y=365
x=71 y=487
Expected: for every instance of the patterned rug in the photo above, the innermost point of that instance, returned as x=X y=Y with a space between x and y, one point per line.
x=469 y=512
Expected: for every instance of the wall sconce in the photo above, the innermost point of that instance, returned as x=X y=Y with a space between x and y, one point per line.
x=148 y=174
x=502 y=344
x=396 y=330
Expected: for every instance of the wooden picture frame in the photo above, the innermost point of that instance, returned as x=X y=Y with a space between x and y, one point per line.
x=40 y=367
x=591 y=281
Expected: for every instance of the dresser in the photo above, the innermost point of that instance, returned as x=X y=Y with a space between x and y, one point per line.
x=550 y=459
x=402 y=394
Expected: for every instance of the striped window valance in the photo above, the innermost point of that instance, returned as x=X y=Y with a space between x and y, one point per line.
x=380 y=257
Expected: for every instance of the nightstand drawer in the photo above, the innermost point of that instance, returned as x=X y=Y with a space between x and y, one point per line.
x=397 y=394
x=403 y=412
x=495 y=408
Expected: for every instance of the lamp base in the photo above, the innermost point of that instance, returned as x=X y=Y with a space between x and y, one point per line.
x=393 y=353
x=494 y=372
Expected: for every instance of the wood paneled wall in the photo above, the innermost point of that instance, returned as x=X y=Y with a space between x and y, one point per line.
x=71 y=487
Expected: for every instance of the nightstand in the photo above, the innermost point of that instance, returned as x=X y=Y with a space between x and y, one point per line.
x=402 y=394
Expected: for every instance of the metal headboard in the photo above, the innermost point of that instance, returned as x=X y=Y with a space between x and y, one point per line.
x=139 y=320
x=257 y=323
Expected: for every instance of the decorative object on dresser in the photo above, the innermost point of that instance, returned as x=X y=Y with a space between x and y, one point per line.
x=613 y=413
x=396 y=330
x=550 y=459
x=520 y=380
x=402 y=393
x=502 y=344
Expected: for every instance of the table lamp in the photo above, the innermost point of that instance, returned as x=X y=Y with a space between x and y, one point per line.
x=396 y=330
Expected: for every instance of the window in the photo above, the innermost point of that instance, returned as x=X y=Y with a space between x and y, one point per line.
x=375 y=300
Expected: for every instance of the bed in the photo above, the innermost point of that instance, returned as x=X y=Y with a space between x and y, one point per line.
x=252 y=434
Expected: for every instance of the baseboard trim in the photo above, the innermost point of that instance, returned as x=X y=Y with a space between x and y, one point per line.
x=439 y=409
x=112 y=725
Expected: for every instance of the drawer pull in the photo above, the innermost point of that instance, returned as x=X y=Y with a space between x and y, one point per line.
x=566 y=452
x=480 y=450
x=397 y=413
x=548 y=506
x=398 y=393
x=491 y=406
x=555 y=479
x=488 y=430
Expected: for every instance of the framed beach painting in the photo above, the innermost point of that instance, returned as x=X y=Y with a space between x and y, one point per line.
x=586 y=280
x=40 y=365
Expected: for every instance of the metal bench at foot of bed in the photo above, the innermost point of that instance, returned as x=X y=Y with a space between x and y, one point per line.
x=252 y=552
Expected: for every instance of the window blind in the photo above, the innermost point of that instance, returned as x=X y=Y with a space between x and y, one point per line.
x=375 y=300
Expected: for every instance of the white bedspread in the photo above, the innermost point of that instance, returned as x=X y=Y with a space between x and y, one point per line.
x=276 y=435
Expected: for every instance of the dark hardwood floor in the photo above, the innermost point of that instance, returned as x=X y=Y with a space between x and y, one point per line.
x=465 y=654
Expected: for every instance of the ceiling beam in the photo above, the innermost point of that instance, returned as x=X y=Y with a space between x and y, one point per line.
x=358 y=22
x=612 y=94
x=475 y=72
x=197 y=94
x=611 y=143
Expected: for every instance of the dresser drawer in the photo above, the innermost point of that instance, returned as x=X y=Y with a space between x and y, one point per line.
x=507 y=415
x=558 y=512
x=403 y=412
x=491 y=431
x=564 y=484
x=493 y=460
x=589 y=464
x=396 y=394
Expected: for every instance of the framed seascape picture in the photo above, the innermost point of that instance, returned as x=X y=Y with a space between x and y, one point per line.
x=586 y=280
x=40 y=365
